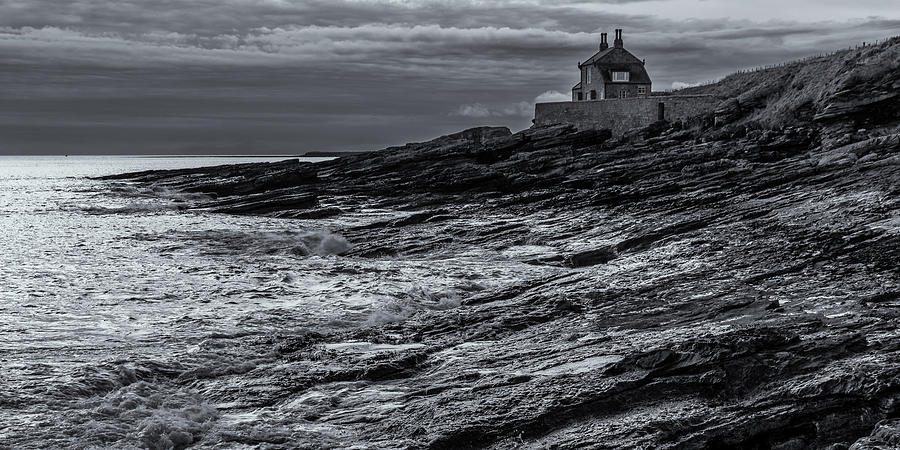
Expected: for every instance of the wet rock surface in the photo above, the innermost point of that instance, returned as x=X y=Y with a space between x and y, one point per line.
x=725 y=287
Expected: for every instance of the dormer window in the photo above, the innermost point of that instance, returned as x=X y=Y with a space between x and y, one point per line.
x=621 y=76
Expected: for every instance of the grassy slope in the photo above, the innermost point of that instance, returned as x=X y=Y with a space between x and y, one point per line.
x=795 y=92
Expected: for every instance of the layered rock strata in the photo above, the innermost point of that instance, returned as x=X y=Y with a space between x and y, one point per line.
x=731 y=285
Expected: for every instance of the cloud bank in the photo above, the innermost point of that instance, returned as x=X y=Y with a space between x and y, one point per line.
x=283 y=76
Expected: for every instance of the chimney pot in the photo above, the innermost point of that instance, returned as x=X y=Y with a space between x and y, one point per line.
x=603 y=44
x=618 y=42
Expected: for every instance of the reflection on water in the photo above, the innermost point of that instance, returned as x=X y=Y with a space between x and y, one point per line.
x=124 y=315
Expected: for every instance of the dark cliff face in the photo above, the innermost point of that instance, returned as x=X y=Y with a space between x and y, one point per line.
x=732 y=285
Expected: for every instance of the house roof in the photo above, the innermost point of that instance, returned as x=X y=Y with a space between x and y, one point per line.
x=577 y=86
x=597 y=57
x=615 y=59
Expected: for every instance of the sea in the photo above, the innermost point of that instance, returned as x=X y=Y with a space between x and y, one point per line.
x=129 y=319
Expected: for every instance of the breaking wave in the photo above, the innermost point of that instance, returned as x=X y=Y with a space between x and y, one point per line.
x=226 y=242
x=137 y=199
x=132 y=190
x=131 y=208
x=157 y=417
x=418 y=298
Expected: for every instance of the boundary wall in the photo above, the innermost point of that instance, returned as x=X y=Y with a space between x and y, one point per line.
x=623 y=114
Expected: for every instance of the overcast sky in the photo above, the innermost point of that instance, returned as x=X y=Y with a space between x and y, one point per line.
x=287 y=76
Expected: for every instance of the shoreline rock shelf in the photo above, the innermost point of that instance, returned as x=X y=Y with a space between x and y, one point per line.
x=729 y=285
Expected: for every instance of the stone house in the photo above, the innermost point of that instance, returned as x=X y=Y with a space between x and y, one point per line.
x=612 y=73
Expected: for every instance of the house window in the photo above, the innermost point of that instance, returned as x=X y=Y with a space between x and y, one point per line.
x=580 y=96
x=623 y=93
x=587 y=75
x=642 y=90
x=621 y=76
x=593 y=94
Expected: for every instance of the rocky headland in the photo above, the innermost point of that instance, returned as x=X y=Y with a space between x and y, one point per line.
x=728 y=283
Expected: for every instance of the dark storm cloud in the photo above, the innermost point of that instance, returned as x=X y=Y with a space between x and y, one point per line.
x=276 y=76
x=210 y=17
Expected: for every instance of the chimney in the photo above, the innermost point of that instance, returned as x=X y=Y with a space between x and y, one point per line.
x=618 y=42
x=603 y=44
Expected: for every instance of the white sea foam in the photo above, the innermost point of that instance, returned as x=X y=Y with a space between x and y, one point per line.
x=157 y=417
x=126 y=318
x=417 y=298
x=224 y=241
x=325 y=243
x=130 y=208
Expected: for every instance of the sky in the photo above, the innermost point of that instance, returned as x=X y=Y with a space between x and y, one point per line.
x=288 y=76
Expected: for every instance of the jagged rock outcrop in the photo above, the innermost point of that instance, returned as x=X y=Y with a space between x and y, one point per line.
x=732 y=287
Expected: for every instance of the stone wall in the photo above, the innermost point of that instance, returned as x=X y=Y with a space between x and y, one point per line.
x=614 y=90
x=623 y=114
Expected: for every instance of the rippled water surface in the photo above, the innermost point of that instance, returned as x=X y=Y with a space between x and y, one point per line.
x=115 y=298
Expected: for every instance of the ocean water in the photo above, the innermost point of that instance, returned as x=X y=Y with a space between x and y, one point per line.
x=128 y=320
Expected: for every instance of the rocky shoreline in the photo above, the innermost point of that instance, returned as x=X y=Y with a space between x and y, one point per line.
x=721 y=284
